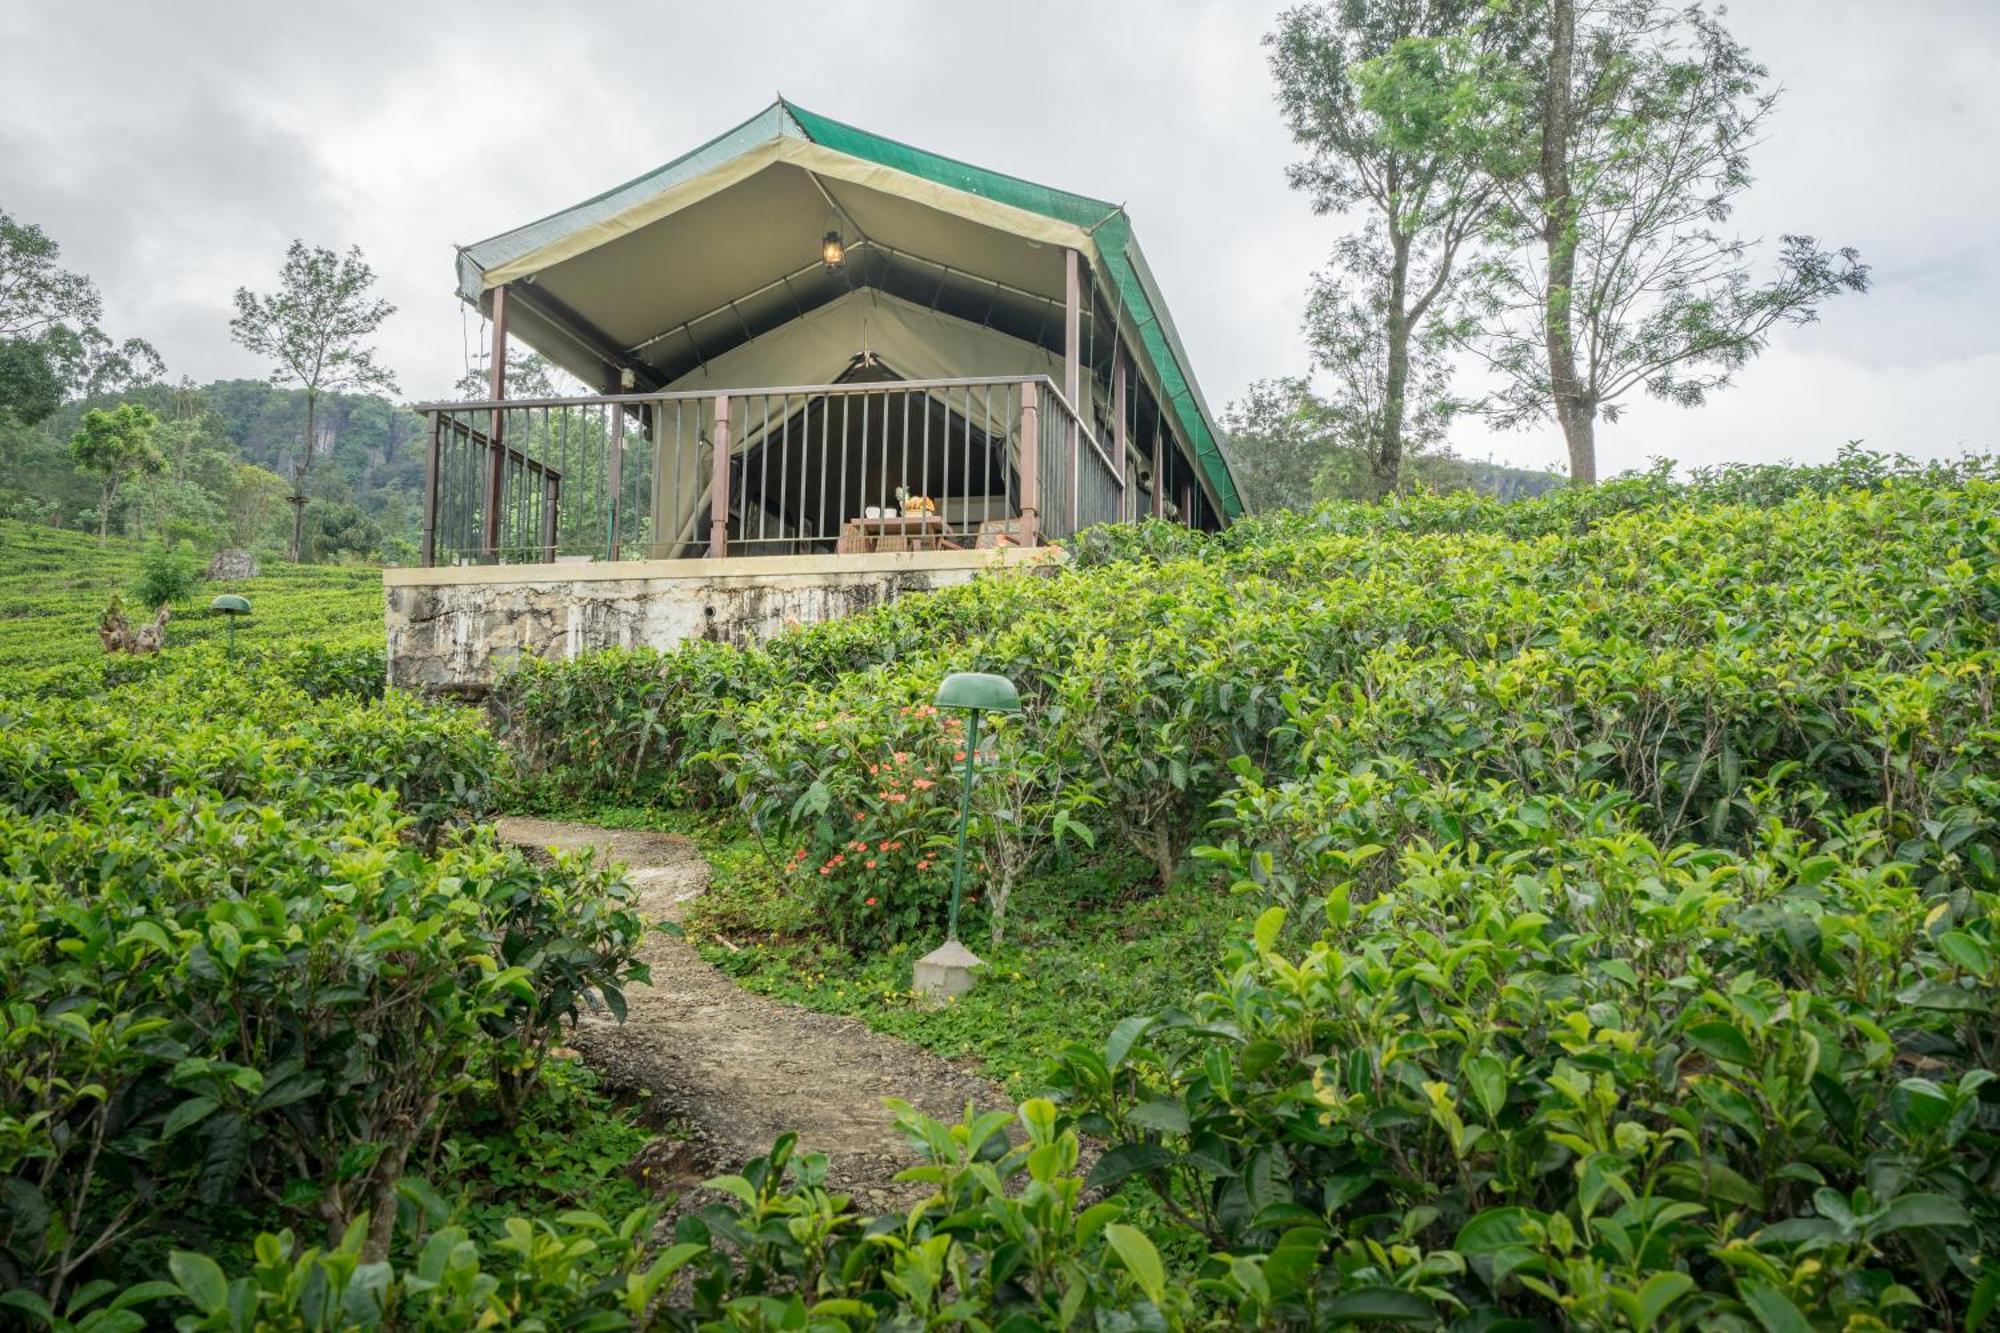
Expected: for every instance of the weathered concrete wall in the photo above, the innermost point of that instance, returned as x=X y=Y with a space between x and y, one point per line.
x=455 y=629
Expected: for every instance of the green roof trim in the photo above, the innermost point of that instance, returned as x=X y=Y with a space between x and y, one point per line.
x=1117 y=246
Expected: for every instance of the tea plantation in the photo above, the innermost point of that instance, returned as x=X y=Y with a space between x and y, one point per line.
x=1578 y=912
x=54 y=585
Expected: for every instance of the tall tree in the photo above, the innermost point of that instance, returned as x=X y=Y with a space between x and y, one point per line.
x=1280 y=439
x=1379 y=111
x=50 y=342
x=115 y=444
x=1635 y=120
x=315 y=327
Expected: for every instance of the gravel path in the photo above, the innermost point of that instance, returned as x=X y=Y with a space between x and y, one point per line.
x=738 y=1069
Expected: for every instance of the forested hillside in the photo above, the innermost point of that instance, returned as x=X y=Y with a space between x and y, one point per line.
x=229 y=448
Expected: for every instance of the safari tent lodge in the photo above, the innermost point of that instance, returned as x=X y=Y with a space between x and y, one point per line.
x=829 y=368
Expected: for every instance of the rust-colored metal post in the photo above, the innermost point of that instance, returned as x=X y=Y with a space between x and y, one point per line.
x=496 y=446
x=1031 y=463
x=431 y=460
x=1159 y=471
x=718 y=485
x=614 y=480
x=1118 y=425
x=1073 y=370
x=551 y=502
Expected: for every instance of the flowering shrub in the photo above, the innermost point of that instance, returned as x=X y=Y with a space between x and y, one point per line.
x=875 y=859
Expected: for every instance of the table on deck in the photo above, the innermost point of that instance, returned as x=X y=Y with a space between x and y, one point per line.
x=896 y=532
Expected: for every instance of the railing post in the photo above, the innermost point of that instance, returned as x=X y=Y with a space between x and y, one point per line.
x=1031 y=462
x=496 y=389
x=551 y=502
x=431 y=451
x=614 y=480
x=1118 y=426
x=718 y=486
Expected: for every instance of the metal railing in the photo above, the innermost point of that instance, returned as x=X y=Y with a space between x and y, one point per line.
x=793 y=470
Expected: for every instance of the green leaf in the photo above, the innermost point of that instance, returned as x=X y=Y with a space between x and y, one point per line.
x=1659 y=1291
x=1127 y=1159
x=27 y=1300
x=1122 y=1039
x=1487 y=1077
x=1920 y=1210
x=1269 y=923
x=190 y=1112
x=1379 y=1305
x=1162 y=1117
x=1966 y=950
x=1774 y=1309
x=201 y=1280
x=1722 y=1041
x=1141 y=1260
x=1498 y=1229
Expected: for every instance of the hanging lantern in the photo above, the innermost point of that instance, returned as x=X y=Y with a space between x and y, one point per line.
x=831 y=251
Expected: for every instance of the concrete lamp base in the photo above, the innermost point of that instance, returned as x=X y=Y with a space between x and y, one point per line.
x=946 y=971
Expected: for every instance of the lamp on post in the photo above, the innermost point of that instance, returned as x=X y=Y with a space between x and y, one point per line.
x=232 y=606
x=947 y=970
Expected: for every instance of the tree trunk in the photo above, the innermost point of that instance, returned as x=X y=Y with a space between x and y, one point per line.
x=1574 y=410
x=299 y=475
x=104 y=508
x=1387 y=461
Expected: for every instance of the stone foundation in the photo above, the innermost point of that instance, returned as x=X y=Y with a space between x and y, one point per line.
x=452 y=630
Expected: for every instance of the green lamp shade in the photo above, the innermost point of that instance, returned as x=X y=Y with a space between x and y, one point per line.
x=978 y=689
x=231 y=605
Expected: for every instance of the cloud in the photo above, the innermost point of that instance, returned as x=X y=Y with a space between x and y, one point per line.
x=174 y=150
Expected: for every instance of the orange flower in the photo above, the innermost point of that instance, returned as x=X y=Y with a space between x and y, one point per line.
x=871 y=902
x=923 y=784
x=870 y=863
x=894 y=797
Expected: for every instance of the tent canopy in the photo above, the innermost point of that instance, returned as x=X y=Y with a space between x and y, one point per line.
x=706 y=273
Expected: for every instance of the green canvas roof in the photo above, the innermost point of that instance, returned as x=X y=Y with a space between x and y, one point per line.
x=1100 y=229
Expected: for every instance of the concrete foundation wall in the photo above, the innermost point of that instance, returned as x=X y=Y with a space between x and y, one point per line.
x=455 y=629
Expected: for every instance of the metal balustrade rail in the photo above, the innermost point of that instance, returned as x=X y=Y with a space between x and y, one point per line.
x=791 y=470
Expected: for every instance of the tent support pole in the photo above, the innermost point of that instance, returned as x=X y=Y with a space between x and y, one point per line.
x=496 y=389
x=1159 y=471
x=1072 y=369
x=718 y=486
x=1118 y=424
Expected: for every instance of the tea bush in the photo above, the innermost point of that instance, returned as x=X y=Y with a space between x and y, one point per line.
x=1628 y=866
x=1666 y=642
x=251 y=956
x=1001 y=1242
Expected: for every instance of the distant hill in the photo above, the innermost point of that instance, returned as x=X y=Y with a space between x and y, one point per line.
x=1499 y=480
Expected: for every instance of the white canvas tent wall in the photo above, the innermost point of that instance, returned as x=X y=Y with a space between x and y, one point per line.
x=817 y=348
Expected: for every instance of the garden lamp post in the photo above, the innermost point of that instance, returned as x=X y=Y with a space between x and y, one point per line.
x=947 y=970
x=231 y=606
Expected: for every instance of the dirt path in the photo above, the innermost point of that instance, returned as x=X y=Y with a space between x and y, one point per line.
x=739 y=1069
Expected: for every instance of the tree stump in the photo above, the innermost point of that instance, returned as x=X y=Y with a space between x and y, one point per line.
x=116 y=634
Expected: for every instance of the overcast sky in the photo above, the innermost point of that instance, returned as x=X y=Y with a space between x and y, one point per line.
x=174 y=149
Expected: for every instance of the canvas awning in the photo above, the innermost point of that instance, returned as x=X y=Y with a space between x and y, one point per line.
x=701 y=273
